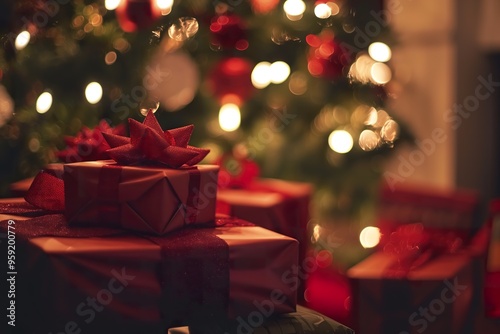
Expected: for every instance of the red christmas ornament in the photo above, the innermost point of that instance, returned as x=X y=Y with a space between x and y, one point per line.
x=231 y=77
x=228 y=32
x=137 y=14
x=326 y=57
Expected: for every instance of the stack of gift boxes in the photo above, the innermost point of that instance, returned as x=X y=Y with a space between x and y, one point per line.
x=134 y=244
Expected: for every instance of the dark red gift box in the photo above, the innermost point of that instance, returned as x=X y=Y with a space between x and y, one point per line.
x=147 y=199
x=432 y=298
x=109 y=280
x=278 y=205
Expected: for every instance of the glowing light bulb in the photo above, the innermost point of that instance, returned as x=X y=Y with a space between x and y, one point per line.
x=22 y=40
x=93 y=92
x=279 y=72
x=390 y=131
x=183 y=29
x=44 y=102
x=229 y=117
x=316 y=233
x=261 y=75
x=372 y=117
x=322 y=11
x=380 y=73
x=340 y=141
x=380 y=52
x=368 y=140
x=334 y=8
x=164 y=4
x=369 y=237
x=111 y=4
x=294 y=9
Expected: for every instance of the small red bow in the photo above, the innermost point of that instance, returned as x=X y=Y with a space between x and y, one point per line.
x=149 y=144
x=88 y=144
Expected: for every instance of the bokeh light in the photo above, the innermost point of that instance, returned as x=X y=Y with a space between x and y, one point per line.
x=165 y=4
x=261 y=75
x=183 y=29
x=294 y=9
x=22 y=40
x=93 y=92
x=382 y=117
x=322 y=11
x=229 y=117
x=369 y=237
x=372 y=117
x=361 y=69
x=368 y=140
x=380 y=52
x=110 y=58
x=340 y=141
x=111 y=4
x=44 y=102
x=316 y=233
x=298 y=83
x=380 y=73
x=390 y=131
x=279 y=72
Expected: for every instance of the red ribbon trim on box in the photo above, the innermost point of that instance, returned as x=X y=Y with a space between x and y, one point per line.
x=195 y=264
x=108 y=194
x=193 y=200
x=413 y=245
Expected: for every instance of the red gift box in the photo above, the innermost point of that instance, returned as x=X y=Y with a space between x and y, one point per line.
x=117 y=281
x=432 y=298
x=141 y=198
x=278 y=205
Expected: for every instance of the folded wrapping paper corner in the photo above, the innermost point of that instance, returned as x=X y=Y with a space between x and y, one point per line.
x=148 y=199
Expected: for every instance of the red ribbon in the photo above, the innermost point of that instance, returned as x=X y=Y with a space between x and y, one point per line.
x=149 y=144
x=109 y=207
x=413 y=245
x=47 y=191
x=89 y=144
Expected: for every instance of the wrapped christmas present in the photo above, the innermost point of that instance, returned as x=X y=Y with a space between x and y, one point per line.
x=103 y=280
x=278 y=205
x=143 y=198
x=304 y=321
x=421 y=281
x=153 y=185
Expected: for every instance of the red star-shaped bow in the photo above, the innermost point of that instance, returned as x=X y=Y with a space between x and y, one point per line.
x=89 y=144
x=149 y=144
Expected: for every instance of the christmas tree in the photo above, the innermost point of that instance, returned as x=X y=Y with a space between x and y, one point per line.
x=298 y=86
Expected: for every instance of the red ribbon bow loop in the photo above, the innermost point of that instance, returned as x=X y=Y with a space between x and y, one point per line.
x=89 y=144
x=149 y=144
